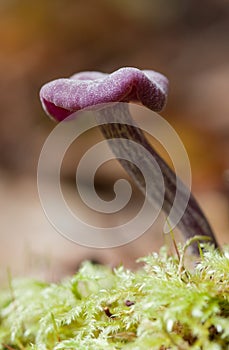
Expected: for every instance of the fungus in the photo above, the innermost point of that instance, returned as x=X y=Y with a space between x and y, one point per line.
x=62 y=97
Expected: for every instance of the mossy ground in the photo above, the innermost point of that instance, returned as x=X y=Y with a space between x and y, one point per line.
x=161 y=306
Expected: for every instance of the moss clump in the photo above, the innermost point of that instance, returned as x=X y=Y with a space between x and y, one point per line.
x=161 y=306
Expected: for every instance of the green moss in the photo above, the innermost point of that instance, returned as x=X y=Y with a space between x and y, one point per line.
x=161 y=306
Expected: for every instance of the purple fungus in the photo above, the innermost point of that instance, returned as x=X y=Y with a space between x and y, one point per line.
x=62 y=97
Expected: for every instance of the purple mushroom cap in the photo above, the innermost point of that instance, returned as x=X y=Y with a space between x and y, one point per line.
x=62 y=97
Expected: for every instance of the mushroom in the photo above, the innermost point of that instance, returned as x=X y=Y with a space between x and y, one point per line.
x=61 y=97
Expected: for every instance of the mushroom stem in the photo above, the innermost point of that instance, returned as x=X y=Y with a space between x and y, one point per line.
x=193 y=222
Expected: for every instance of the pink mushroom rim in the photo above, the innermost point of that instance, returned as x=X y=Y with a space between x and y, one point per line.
x=62 y=97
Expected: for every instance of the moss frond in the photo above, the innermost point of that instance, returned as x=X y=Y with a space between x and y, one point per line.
x=158 y=307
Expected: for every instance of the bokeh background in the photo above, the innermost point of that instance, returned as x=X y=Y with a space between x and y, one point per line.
x=187 y=40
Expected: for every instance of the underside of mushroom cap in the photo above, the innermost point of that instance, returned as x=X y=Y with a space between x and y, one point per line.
x=62 y=97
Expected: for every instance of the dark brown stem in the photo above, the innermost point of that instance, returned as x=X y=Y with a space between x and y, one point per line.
x=193 y=222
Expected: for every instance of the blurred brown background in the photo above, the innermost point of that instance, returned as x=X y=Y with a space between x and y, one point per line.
x=187 y=40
